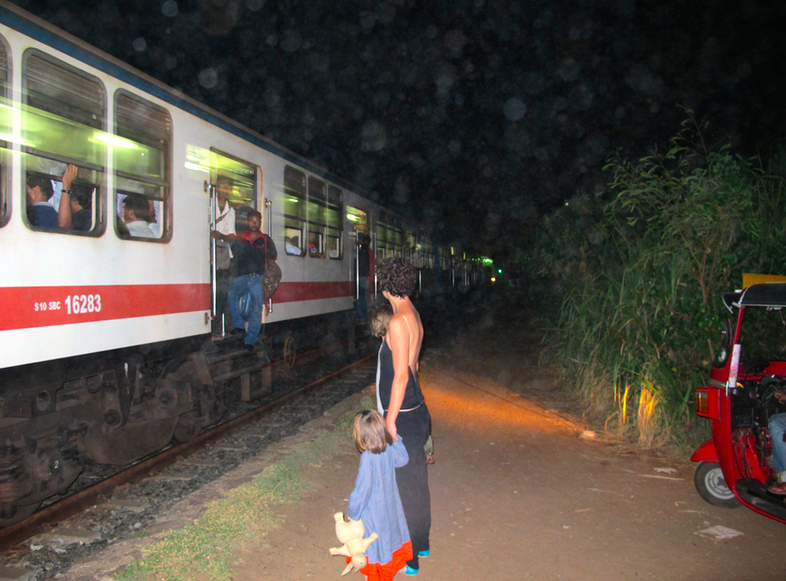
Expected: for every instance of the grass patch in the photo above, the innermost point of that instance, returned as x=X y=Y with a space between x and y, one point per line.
x=207 y=548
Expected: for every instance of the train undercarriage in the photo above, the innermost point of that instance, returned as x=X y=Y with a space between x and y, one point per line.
x=120 y=406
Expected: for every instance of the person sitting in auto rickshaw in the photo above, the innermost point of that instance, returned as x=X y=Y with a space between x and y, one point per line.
x=777 y=425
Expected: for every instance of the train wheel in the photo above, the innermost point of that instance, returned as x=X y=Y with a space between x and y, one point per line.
x=207 y=404
x=712 y=487
x=290 y=351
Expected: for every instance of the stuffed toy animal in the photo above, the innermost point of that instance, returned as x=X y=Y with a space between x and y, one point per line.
x=351 y=534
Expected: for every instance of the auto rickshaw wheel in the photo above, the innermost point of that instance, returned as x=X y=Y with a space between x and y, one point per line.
x=712 y=487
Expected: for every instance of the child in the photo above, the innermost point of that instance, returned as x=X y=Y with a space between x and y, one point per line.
x=378 y=321
x=375 y=498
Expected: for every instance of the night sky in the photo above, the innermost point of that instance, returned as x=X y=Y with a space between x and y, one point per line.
x=476 y=116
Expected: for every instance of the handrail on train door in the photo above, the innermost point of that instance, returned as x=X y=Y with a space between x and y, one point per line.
x=211 y=190
x=356 y=256
x=268 y=210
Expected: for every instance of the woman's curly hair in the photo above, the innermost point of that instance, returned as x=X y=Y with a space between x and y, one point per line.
x=397 y=276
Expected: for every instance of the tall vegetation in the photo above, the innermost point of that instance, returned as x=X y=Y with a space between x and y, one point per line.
x=638 y=271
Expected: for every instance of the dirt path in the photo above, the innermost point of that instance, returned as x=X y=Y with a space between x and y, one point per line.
x=516 y=494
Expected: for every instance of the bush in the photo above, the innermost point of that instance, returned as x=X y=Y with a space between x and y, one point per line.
x=638 y=272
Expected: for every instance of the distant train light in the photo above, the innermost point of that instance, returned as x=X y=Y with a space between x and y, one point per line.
x=115 y=140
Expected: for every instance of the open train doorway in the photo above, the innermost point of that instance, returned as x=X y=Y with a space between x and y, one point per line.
x=363 y=258
x=233 y=192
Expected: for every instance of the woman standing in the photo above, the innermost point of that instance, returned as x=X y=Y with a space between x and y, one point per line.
x=406 y=414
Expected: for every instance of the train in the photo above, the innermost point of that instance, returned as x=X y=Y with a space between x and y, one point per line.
x=108 y=342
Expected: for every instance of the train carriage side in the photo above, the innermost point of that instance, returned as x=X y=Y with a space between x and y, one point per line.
x=105 y=325
x=101 y=287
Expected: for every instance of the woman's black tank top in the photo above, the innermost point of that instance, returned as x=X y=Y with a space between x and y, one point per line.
x=413 y=397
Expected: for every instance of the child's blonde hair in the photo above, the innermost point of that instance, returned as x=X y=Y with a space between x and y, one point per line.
x=379 y=319
x=370 y=432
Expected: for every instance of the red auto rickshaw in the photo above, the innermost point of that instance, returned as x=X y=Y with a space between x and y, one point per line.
x=736 y=465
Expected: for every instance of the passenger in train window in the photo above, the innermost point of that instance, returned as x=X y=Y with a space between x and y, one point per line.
x=313 y=247
x=252 y=248
x=75 y=203
x=136 y=216
x=40 y=211
x=155 y=227
x=293 y=246
x=224 y=233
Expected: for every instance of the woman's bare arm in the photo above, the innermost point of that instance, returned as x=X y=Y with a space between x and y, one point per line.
x=398 y=341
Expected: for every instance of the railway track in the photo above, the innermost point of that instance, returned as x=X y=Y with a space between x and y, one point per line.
x=175 y=472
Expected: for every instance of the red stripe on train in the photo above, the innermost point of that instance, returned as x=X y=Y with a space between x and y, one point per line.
x=28 y=307
x=64 y=305
x=307 y=291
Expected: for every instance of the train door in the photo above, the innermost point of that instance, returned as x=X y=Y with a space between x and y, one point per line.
x=362 y=257
x=232 y=193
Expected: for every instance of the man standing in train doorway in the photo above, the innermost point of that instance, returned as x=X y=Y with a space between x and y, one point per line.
x=365 y=271
x=252 y=250
x=224 y=232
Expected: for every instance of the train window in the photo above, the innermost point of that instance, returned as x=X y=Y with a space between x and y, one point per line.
x=295 y=211
x=335 y=224
x=141 y=154
x=317 y=222
x=398 y=241
x=409 y=246
x=5 y=130
x=64 y=123
x=359 y=220
x=382 y=239
x=390 y=237
x=427 y=251
x=243 y=179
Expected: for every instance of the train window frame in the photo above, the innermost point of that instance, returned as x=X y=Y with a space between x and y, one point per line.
x=317 y=219
x=335 y=211
x=130 y=131
x=390 y=235
x=295 y=197
x=291 y=234
x=6 y=201
x=75 y=106
x=250 y=180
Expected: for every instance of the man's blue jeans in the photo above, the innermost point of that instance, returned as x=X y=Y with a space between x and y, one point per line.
x=777 y=425
x=361 y=307
x=247 y=284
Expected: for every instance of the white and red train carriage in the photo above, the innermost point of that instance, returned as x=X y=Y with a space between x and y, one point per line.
x=106 y=350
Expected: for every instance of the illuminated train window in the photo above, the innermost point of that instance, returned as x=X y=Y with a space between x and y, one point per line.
x=63 y=124
x=5 y=130
x=295 y=211
x=317 y=219
x=141 y=154
x=390 y=237
x=335 y=225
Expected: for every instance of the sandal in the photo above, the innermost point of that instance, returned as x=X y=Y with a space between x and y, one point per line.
x=779 y=489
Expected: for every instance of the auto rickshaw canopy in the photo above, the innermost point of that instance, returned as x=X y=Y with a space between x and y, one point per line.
x=769 y=295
